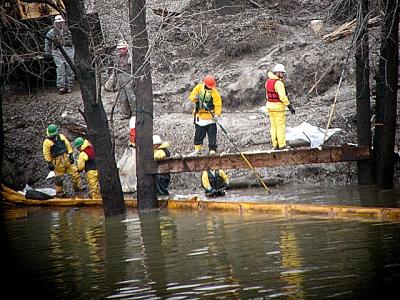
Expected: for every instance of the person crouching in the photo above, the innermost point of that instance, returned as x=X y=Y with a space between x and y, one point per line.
x=214 y=182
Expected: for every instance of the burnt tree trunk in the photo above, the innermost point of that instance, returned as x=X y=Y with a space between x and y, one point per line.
x=2 y=83
x=3 y=74
x=365 y=167
x=388 y=78
x=95 y=116
x=379 y=107
x=146 y=192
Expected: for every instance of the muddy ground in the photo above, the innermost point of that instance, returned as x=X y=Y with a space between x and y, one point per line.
x=238 y=45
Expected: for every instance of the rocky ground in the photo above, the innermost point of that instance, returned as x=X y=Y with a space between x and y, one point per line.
x=238 y=50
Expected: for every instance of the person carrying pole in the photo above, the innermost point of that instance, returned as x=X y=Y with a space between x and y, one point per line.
x=241 y=153
x=277 y=101
x=58 y=154
x=208 y=108
x=87 y=162
x=214 y=182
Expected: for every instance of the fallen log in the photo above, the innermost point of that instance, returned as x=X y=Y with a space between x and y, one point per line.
x=347 y=29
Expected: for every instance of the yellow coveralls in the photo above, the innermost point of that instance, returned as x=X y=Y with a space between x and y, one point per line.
x=62 y=164
x=162 y=180
x=206 y=181
x=277 y=113
x=92 y=176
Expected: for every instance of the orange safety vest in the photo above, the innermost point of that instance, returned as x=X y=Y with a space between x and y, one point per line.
x=272 y=95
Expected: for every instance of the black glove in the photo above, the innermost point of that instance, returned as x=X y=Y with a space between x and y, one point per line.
x=71 y=158
x=50 y=166
x=292 y=111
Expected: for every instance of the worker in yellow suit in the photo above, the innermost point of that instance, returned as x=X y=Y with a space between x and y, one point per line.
x=277 y=101
x=87 y=163
x=58 y=154
x=214 y=182
x=208 y=103
x=161 y=151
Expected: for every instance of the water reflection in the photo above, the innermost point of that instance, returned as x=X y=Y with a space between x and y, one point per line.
x=77 y=254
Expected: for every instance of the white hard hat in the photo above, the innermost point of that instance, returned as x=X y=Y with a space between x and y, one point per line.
x=279 y=68
x=59 y=19
x=156 y=139
x=122 y=44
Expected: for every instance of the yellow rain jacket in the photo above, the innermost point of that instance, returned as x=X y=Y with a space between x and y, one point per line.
x=47 y=144
x=205 y=180
x=92 y=176
x=280 y=89
x=159 y=153
x=206 y=96
x=62 y=164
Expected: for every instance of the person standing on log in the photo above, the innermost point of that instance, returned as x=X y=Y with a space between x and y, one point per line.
x=277 y=101
x=206 y=113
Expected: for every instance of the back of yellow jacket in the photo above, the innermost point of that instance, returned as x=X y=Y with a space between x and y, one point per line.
x=47 y=144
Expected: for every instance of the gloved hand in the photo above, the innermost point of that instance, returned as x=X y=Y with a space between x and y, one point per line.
x=217 y=118
x=210 y=190
x=71 y=158
x=50 y=166
x=47 y=55
x=292 y=111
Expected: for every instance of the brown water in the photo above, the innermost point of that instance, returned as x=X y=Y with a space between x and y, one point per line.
x=67 y=253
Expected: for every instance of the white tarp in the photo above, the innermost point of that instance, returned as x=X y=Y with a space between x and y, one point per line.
x=48 y=191
x=127 y=170
x=312 y=134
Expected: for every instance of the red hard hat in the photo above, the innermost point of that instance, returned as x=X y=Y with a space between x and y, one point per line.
x=210 y=81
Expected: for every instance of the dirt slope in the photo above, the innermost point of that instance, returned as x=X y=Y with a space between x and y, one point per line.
x=238 y=49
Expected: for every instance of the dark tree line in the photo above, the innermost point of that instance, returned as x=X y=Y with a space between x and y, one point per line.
x=379 y=170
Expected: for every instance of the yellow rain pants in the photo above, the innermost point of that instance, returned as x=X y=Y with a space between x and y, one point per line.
x=63 y=166
x=277 y=121
x=92 y=178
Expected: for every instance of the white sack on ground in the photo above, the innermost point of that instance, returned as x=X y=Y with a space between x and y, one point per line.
x=312 y=134
x=127 y=170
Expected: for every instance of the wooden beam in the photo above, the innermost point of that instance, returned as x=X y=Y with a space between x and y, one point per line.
x=262 y=159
